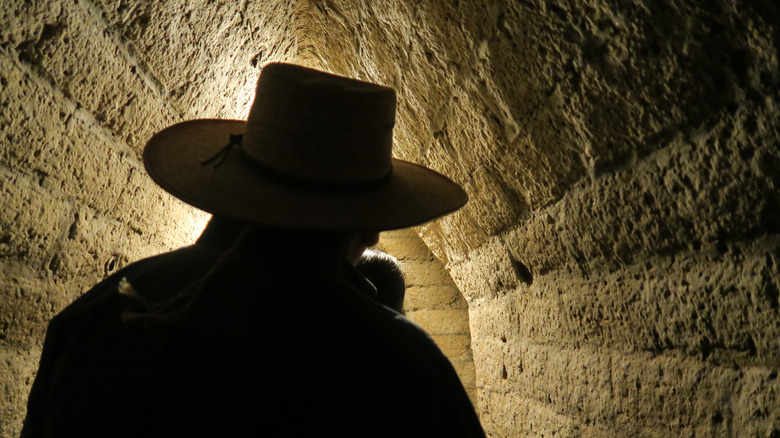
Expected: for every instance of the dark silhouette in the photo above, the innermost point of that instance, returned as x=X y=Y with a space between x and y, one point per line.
x=263 y=327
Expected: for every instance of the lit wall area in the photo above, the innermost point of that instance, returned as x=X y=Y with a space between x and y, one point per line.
x=617 y=261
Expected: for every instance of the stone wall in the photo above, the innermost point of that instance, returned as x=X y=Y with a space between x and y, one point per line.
x=619 y=255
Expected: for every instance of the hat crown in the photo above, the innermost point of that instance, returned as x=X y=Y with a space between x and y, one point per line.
x=319 y=127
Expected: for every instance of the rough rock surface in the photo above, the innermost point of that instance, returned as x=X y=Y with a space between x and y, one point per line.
x=619 y=255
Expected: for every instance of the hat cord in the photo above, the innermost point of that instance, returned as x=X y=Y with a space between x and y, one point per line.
x=221 y=155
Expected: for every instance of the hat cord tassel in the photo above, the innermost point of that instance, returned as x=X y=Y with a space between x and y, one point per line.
x=221 y=155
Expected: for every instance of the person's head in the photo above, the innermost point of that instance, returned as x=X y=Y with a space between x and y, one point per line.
x=314 y=155
x=384 y=272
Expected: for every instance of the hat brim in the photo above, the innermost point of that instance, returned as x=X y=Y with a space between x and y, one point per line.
x=411 y=196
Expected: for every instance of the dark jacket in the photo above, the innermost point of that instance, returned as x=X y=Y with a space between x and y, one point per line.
x=278 y=342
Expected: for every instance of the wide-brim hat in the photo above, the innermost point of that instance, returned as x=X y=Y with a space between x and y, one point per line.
x=315 y=153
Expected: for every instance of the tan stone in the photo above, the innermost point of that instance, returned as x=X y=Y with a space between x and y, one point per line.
x=465 y=370
x=441 y=322
x=425 y=274
x=17 y=365
x=433 y=297
x=455 y=347
x=406 y=246
x=32 y=219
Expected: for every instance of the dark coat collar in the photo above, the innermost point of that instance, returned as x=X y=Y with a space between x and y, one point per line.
x=288 y=247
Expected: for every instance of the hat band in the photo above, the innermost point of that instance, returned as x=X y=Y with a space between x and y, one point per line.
x=292 y=181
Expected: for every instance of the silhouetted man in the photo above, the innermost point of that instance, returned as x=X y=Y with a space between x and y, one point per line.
x=263 y=327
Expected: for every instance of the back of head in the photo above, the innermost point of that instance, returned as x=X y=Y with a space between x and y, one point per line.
x=384 y=272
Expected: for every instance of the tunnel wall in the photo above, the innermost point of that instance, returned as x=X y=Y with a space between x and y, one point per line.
x=619 y=252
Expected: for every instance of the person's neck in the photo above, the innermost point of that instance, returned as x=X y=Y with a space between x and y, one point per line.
x=322 y=249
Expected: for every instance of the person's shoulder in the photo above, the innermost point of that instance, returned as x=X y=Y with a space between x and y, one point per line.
x=398 y=332
x=164 y=270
